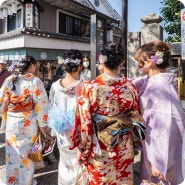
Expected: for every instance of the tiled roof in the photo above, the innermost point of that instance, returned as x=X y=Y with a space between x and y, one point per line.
x=39 y=33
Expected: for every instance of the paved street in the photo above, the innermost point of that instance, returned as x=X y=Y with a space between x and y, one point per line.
x=49 y=175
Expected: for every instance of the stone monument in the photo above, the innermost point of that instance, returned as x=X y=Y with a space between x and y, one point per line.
x=151 y=30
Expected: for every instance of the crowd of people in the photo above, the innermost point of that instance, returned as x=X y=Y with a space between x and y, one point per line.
x=76 y=104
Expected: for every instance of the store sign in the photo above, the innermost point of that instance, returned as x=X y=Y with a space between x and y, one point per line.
x=183 y=34
x=29 y=15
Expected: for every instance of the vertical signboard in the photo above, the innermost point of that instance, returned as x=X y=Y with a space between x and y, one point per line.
x=98 y=39
x=100 y=34
x=29 y=15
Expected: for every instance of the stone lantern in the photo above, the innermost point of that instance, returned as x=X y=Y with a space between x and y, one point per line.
x=151 y=30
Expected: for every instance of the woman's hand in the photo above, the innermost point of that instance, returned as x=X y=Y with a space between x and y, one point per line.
x=157 y=173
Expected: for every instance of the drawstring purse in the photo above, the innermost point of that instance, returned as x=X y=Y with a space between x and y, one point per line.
x=149 y=182
x=45 y=149
x=36 y=150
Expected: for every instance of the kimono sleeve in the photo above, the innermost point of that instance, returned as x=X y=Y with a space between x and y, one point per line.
x=40 y=100
x=139 y=81
x=83 y=129
x=3 y=102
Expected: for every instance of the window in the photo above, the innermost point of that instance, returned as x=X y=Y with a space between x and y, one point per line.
x=14 y=21
x=69 y=25
x=117 y=39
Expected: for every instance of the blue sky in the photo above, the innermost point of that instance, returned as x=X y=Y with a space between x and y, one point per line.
x=136 y=10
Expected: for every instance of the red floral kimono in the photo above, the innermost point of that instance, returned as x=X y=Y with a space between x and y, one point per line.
x=106 y=96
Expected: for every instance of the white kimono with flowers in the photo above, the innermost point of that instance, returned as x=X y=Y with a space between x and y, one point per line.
x=22 y=119
x=61 y=120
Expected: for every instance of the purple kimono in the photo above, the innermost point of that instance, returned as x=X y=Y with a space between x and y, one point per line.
x=164 y=116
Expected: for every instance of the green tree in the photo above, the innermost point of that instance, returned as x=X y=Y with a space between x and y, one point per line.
x=170 y=12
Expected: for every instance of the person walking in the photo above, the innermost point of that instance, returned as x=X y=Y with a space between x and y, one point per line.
x=108 y=94
x=24 y=104
x=4 y=73
x=164 y=118
x=62 y=98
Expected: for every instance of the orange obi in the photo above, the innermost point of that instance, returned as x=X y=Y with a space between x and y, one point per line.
x=21 y=103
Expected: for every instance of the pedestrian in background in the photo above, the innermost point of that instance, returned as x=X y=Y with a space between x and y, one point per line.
x=59 y=72
x=161 y=108
x=62 y=98
x=85 y=74
x=107 y=95
x=24 y=104
x=4 y=73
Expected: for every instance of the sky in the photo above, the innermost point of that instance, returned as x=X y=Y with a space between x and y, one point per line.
x=136 y=10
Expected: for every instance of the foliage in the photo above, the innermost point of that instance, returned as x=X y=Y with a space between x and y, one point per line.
x=170 y=12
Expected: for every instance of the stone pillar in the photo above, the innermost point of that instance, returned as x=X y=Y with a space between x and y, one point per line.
x=134 y=41
x=151 y=30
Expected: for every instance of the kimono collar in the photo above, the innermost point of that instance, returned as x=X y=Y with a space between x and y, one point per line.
x=163 y=77
x=27 y=76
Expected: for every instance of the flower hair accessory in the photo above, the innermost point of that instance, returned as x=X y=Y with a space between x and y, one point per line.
x=102 y=58
x=158 y=57
x=68 y=60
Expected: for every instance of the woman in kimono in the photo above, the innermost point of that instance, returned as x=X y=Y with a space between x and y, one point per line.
x=85 y=75
x=24 y=104
x=62 y=98
x=107 y=95
x=161 y=108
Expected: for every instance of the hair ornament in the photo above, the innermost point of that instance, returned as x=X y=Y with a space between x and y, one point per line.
x=158 y=57
x=102 y=58
x=15 y=63
x=60 y=60
x=68 y=60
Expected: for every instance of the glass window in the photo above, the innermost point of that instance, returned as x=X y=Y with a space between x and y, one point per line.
x=11 y=23
x=14 y=21
x=69 y=25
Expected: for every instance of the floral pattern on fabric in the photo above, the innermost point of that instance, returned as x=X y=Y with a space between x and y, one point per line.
x=61 y=120
x=21 y=126
x=107 y=96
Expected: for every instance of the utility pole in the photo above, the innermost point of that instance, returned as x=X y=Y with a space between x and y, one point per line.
x=124 y=31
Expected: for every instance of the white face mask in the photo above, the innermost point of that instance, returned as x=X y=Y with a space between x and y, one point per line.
x=140 y=69
x=86 y=64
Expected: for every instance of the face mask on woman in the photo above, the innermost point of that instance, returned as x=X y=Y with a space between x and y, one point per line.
x=140 y=69
x=86 y=64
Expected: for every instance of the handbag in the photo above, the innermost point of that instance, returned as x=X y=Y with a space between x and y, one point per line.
x=149 y=182
x=50 y=152
x=36 y=150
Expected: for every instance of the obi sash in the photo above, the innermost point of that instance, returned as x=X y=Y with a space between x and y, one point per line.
x=21 y=103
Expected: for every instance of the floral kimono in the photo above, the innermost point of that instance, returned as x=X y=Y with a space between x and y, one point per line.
x=164 y=117
x=61 y=120
x=23 y=111
x=106 y=96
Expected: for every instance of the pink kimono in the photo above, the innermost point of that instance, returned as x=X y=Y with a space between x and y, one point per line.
x=162 y=111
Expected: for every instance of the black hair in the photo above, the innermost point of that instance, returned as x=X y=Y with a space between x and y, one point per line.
x=72 y=55
x=21 y=67
x=114 y=53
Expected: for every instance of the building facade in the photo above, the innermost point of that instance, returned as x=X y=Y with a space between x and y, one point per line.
x=45 y=29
